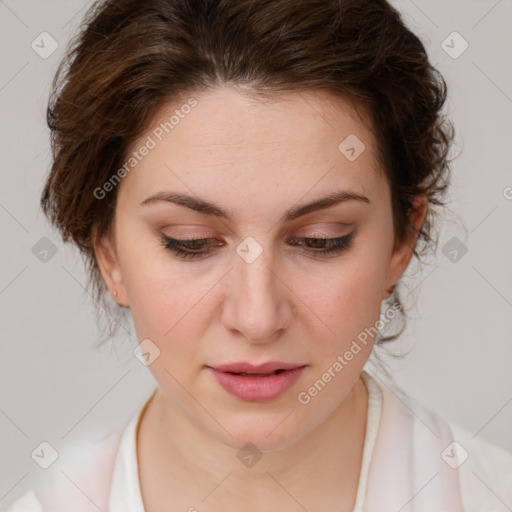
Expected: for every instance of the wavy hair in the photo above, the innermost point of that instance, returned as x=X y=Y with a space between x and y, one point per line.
x=129 y=58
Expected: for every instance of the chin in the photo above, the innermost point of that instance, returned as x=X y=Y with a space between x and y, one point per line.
x=267 y=435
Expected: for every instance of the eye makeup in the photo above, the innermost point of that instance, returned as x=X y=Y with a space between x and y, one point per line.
x=201 y=247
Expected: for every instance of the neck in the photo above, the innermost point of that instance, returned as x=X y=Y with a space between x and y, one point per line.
x=179 y=461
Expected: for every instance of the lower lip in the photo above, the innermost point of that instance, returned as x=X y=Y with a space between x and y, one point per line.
x=258 y=389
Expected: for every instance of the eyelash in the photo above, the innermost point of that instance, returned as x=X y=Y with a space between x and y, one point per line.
x=338 y=245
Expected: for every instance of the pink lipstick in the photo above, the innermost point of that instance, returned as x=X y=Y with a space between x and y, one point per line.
x=257 y=383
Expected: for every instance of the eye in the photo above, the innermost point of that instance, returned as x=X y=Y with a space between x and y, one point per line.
x=200 y=247
x=186 y=249
x=325 y=246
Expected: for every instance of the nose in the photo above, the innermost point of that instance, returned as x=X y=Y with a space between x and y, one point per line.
x=258 y=305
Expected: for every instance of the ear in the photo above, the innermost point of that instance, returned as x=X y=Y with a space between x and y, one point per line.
x=403 y=250
x=108 y=263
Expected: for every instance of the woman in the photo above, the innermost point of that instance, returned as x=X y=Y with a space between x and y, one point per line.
x=251 y=179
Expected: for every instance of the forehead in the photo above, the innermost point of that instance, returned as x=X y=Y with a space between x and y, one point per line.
x=308 y=139
x=228 y=117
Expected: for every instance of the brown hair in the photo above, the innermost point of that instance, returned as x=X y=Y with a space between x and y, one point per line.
x=132 y=57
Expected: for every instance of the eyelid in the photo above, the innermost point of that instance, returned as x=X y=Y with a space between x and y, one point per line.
x=335 y=230
x=180 y=233
x=340 y=245
x=325 y=233
x=315 y=230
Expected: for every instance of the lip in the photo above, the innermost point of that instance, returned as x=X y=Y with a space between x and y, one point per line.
x=257 y=388
x=269 y=367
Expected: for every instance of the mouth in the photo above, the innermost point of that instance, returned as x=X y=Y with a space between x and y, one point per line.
x=261 y=383
x=264 y=369
x=245 y=374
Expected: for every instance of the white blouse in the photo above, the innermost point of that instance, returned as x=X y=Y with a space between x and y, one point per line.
x=413 y=461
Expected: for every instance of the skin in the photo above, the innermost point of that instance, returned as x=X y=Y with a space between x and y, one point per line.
x=256 y=160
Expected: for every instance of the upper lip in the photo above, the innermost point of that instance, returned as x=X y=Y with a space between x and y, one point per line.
x=244 y=367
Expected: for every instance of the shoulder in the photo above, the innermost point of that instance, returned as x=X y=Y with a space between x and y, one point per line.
x=438 y=450
x=81 y=475
x=485 y=470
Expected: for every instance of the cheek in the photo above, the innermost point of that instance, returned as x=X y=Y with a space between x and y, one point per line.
x=156 y=293
x=160 y=306
x=166 y=296
x=347 y=299
x=167 y=300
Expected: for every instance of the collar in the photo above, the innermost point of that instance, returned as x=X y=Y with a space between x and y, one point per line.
x=408 y=472
x=125 y=493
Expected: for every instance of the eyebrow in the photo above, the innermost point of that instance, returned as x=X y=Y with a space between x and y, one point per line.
x=209 y=208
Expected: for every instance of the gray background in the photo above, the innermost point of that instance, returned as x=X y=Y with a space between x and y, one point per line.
x=55 y=387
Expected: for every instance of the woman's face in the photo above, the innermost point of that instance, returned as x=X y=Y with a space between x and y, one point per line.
x=258 y=291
